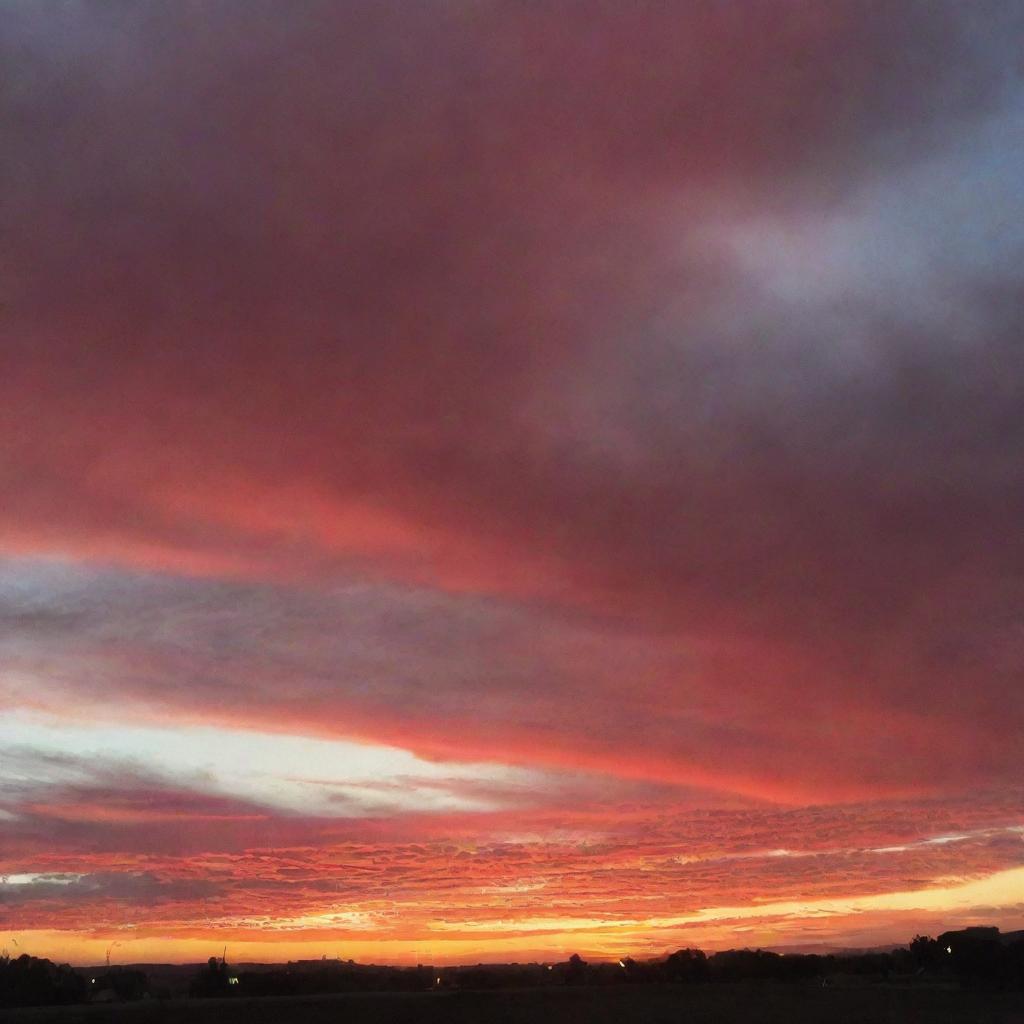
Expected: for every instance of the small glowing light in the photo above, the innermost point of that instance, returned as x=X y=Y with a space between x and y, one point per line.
x=232 y=981
x=438 y=981
x=550 y=967
x=621 y=964
x=93 y=981
x=949 y=949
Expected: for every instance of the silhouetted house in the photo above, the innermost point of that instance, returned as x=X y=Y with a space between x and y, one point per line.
x=969 y=939
x=974 y=953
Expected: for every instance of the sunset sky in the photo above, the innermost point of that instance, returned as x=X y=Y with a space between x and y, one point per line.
x=491 y=480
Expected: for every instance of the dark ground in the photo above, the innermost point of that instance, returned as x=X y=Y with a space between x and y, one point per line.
x=743 y=1003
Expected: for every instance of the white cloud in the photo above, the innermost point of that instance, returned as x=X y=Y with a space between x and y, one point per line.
x=289 y=773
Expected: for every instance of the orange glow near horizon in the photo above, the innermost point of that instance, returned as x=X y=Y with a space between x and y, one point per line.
x=780 y=924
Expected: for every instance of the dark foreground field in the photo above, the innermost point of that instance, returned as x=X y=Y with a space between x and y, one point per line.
x=713 y=1004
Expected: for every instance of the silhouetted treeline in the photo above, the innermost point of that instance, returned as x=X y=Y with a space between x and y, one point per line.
x=976 y=957
x=30 y=981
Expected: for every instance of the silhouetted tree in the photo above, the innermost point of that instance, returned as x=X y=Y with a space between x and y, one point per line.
x=686 y=965
x=576 y=971
x=213 y=980
x=926 y=952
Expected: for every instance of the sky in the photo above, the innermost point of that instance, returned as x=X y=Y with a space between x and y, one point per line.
x=491 y=480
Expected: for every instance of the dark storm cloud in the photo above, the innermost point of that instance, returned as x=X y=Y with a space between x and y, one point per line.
x=686 y=314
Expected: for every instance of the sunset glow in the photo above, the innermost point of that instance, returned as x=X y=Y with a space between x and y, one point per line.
x=488 y=481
